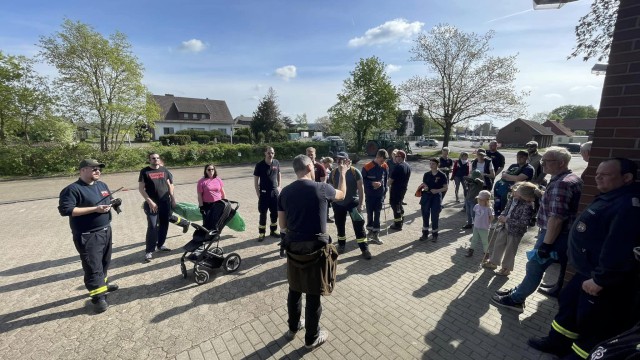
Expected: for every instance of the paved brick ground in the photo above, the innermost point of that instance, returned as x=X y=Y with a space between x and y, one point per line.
x=412 y=300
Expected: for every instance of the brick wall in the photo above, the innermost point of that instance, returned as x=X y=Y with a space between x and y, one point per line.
x=617 y=132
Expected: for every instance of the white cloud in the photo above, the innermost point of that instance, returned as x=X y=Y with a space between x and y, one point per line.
x=553 y=96
x=286 y=73
x=586 y=88
x=392 y=68
x=390 y=31
x=193 y=45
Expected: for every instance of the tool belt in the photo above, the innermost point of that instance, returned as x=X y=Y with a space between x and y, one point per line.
x=312 y=272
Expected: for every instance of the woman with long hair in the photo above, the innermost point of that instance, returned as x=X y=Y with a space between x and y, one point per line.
x=210 y=188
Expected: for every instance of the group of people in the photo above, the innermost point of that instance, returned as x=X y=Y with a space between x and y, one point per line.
x=598 y=244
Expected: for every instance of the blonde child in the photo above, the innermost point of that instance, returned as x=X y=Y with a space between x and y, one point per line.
x=481 y=222
x=512 y=226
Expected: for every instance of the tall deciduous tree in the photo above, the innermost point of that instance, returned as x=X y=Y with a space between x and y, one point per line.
x=419 y=121
x=567 y=112
x=301 y=122
x=100 y=80
x=595 y=30
x=368 y=101
x=266 y=123
x=10 y=73
x=465 y=82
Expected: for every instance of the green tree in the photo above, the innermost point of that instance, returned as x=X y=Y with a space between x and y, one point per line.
x=11 y=71
x=100 y=80
x=301 y=122
x=401 y=119
x=418 y=122
x=595 y=30
x=466 y=82
x=324 y=124
x=368 y=101
x=266 y=119
x=567 y=112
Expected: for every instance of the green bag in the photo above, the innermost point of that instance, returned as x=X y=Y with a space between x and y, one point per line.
x=188 y=211
x=236 y=223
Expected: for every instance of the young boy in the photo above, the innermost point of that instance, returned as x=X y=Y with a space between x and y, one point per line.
x=474 y=184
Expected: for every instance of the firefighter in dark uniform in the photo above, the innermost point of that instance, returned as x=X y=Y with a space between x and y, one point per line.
x=598 y=302
x=267 y=179
x=374 y=177
x=398 y=182
x=87 y=203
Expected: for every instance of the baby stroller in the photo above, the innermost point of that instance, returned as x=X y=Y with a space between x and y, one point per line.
x=204 y=250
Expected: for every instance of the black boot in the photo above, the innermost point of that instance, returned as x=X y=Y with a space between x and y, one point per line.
x=180 y=221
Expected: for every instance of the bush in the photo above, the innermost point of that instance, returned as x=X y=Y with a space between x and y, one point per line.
x=175 y=139
x=202 y=139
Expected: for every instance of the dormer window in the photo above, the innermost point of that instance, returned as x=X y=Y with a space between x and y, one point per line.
x=185 y=116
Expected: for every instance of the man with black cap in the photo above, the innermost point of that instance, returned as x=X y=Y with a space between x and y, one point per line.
x=351 y=205
x=87 y=203
x=398 y=182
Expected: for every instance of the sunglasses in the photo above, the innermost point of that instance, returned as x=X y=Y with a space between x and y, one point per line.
x=95 y=169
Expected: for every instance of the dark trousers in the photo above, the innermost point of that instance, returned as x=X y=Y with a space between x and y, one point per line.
x=157 y=225
x=584 y=320
x=312 y=312
x=374 y=206
x=459 y=180
x=268 y=201
x=430 y=206
x=340 y=214
x=94 y=249
x=395 y=200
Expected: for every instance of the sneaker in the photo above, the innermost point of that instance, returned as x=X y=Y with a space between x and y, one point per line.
x=112 y=287
x=506 y=302
x=329 y=221
x=148 y=257
x=375 y=239
x=553 y=292
x=469 y=253
x=261 y=237
x=489 y=265
x=323 y=335
x=274 y=234
x=434 y=237
x=290 y=335
x=503 y=292
x=341 y=249
x=164 y=248
x=366 y=254
x=468 y=226
x=502 y=272
x=99 y=305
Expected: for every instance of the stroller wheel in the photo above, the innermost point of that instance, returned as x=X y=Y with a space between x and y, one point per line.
x=183 y=269
x=217 y=251
x=232 y=262
x=201 y=277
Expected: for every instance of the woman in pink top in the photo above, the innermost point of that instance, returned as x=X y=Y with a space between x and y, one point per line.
x=210 y=188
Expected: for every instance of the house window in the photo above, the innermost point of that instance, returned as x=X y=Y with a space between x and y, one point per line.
x=194 y=116
x=168 y=131
x=224 y=131
x=185 y=115
x=203 y=116
x=516 y=129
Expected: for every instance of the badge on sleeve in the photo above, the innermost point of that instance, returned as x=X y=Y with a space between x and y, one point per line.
x=581 y=227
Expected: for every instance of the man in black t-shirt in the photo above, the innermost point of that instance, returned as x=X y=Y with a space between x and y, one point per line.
x=266 y=181
x=302 y=209
x=87 y=203
x=156 y=187
x=497 y=159
x=398 y=182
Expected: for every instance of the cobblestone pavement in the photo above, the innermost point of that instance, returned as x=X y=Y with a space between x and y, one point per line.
x=412 y=300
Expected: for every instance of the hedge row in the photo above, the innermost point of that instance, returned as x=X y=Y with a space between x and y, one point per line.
x=22 y=160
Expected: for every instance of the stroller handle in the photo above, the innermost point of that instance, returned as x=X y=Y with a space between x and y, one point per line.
x=237 y=204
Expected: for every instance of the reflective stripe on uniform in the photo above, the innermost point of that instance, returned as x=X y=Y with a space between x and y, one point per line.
x=342 y=238
x=583 y=354
x=273 y=224
x=563 y=331
x=398 y=219
x=98 y=291
x=262 y=227
x=361 y=240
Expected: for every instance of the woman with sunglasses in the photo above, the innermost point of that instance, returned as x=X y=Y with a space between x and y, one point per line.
x=210 y=189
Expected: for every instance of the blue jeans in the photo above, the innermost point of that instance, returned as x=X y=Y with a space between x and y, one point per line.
x=535 y=270
x=157 y=225
x=469 y=204
x=430 y=206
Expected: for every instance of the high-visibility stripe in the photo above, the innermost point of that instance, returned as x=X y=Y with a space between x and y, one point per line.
x=570 y=334
x=342 y=238
x=273 y=224
x=262 y=227
x=397 y=219
x=98 y=291
x=361 y=240
x=583 y=354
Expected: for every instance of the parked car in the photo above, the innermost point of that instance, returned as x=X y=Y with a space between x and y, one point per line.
x=427 y=142
x=572 y=147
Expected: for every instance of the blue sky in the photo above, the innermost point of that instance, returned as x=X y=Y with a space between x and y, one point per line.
x=236 y=50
